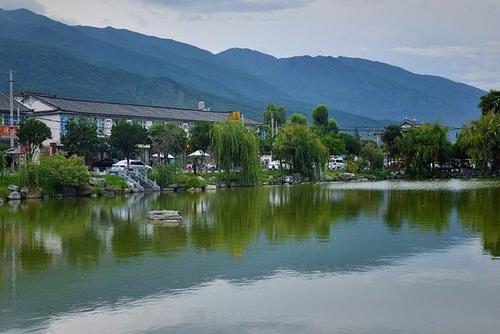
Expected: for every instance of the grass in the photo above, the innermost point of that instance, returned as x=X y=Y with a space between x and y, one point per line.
x=114 y=181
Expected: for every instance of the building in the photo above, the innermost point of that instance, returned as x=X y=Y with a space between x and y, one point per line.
x=20 y=112
x=407 y=124
x=55 y=112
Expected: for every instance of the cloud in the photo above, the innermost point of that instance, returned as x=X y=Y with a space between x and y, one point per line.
x=201 y=6
x=438 y=51
x=32 y=5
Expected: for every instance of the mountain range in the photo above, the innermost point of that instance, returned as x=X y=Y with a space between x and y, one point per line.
x=124 y=66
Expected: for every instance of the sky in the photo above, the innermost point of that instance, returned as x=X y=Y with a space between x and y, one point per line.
x=457 y=39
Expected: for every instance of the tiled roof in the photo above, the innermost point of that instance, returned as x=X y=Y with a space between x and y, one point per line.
x=5 y=104
x=112 y=109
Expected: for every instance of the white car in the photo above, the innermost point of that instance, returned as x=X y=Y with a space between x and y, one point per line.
x=137 y=165
x=336 y=162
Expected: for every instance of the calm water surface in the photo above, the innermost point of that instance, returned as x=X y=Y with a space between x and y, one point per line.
x=418 y=257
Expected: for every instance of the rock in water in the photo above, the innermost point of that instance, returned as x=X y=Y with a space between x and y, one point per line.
x=168 y=216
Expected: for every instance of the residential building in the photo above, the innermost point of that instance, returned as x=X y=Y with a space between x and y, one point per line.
x=20 y=112
x=56 y=112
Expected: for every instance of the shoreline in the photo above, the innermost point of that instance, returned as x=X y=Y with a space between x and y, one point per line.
x=210 y=188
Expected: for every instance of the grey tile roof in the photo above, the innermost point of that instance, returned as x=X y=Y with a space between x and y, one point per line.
x=112 y=109
x=5 y=104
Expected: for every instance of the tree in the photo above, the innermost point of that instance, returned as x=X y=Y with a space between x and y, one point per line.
x=389 y=138
x=81 y=138
x=235 y=146
x=125 y=137
x=373 y=154
x=298 y=118
x=335 y=144
x=199 y=138
x=277 y=112
x=32 y=133
x=320 y=115
x=167 y=138
x=300 y=146
x=351 y=143
x=424 y=146
x=480 y=139
x=490 y=102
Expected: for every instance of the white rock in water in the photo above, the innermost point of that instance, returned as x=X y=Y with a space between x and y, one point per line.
x=165 y=215
x=14 y=196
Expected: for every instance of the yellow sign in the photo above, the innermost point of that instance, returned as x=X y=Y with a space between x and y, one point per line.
x=235 y=116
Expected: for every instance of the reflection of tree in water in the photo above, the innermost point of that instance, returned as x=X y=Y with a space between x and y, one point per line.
x=478 y=210
x=37 y=227
x=425 y=210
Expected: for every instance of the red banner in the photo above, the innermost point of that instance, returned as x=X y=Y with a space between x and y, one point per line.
x=5 y=130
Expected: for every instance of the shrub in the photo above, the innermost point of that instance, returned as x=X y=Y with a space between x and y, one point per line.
x=54 y=173
x=195 y=182
x=165 y=174
x=113 y=181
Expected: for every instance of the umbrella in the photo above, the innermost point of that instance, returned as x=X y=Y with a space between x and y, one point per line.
x=199 y=153
x=162 y=156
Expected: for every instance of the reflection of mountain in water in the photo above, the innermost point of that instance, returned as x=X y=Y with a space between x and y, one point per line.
x=89 y=252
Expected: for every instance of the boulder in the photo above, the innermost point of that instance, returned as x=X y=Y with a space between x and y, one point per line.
x=287 y=179
x=210 y=187
x=14 y=196
x=24 y=192
x=347 y=176
x=168 y=190
x=165 y=216
x=97 y=182
x=34 y=194
x=12 y=188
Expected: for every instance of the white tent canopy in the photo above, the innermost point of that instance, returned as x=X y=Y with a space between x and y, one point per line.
x=199 y=153
x=170 y=156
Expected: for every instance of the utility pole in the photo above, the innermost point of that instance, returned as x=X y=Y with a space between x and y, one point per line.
x=11 y=130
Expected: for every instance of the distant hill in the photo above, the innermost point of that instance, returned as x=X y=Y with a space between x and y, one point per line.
x=121 y=65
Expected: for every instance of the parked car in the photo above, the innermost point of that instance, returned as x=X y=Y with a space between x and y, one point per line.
x=274 y=165
x=336 y=162
x=104 y=164
x=138 y=165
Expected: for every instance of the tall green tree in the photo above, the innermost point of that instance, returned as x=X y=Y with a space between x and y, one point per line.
x=320 y=115
x=167 y=138
x=125 y=137
x=390 y=137
x=277 y=112
x=32 y=133
x=236 y=147
x=199 y=136
x=81 y=138
x=373 y=154
x=302 y=148
x=480 y=139
x=424 y=146
x=490 y=102
x=352 y=144
x=298 y=118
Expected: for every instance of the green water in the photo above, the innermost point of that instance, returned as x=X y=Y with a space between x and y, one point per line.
x=381 y=257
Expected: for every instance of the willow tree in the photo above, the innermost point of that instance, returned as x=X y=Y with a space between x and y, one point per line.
x=424 y=146
x=480 y=139
x=302 y=148
x=236 y=147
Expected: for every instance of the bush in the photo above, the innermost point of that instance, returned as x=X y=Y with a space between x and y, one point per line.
x=353 y=166
x=165 y=174
x=54 y=173
x=195 y=182
x=113 y=181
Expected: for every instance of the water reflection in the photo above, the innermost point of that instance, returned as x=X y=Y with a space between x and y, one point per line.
x=102 y=250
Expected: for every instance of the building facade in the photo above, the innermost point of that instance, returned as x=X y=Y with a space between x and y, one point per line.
x=55 y=112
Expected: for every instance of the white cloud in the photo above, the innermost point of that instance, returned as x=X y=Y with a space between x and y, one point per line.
x=201 y=6
x=438 y=51
x=32 y=5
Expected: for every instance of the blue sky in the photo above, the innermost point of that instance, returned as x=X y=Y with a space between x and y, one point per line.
x=458 y=39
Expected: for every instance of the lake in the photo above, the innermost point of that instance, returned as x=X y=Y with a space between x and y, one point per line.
x=381 y=257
